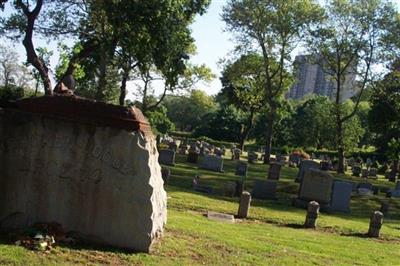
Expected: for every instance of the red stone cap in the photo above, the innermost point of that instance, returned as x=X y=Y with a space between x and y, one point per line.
x=88 y=111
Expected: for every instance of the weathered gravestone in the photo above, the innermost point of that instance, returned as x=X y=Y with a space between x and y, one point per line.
x=295 y=159
x=166 y=157
x=244 y=205
x=264 y=189
x=364 y=173
x=274 y=171
x=241 y=169
x=173 y=146
x=373 y=172
x=182 y=149
x=236 y=153
x=280 y=159
x=89 y=166
x=211 y=162
x=316 y=186
x=220 y=217
x=356 y=169
x=341 y=196
x=305 y=165
x=324 y=165
x=193 y=155
x=218 y=152
x=229 y=189
x=252 y=157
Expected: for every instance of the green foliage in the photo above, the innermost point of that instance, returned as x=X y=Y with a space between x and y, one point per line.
x=63 y=62
x=243 y=83
x=313 y=123
x=384 y=115
x=351 y=41
x=187 y=112
x=159 y=121
x=224 y=124
x=11 y=93
x=273 y=29
x=44 y=54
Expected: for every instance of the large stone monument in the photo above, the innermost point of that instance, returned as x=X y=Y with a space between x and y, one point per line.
x=316 y=186
x=305 y=165
x=89 y=166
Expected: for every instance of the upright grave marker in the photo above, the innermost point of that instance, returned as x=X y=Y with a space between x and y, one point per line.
x=213 y=163
x=89 y=166
x=167 y=157
x=305 y=165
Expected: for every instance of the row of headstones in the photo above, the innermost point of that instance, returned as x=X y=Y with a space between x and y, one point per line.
x=375 y=223
x=313 y=207
x=200 y=147
x=265 y=189
x=209 y=162
x=316 y=185
x=365 y=173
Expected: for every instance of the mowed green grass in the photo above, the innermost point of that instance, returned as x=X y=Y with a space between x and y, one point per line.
x=272 y=235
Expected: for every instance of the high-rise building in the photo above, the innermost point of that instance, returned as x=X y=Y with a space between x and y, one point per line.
x=311 y=79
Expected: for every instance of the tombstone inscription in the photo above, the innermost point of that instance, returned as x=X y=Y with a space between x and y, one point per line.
x=89 y=166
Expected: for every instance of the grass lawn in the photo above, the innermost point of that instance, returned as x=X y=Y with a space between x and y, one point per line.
x=271 y=236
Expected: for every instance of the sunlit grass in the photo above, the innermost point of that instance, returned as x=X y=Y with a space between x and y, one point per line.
x=272 y=235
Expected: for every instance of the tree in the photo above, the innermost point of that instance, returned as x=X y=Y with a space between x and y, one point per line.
x=58 y=17
x=153 y=35
x=313 y=124
x=384 y=115
x=159 y=121
x=185 y=83
x=44 y=54
x=284 y=125
x=224 y=124
x=11 y=72
x=243 y=86
x=187 y=111
x=348 y=43
x=273 y=28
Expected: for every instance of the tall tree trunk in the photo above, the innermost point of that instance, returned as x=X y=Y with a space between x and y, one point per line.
x=32 y=57
x=340 y=143
x=122 y=94
x=36 y=88
x=268 y=140
x=101 y=85
x=339 y=123
x=144 y=99
x=246 y=130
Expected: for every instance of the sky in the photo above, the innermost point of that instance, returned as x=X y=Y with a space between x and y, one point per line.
x=212 y=42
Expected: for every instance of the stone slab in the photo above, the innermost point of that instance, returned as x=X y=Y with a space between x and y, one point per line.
x=102 y=182
x=264 y=189
x=241 y=169
x=316 y=186
x=305 y=165
x=274 y=171
x=213 y=163
x=341 y=196
x=166 y=157
x=220 y=217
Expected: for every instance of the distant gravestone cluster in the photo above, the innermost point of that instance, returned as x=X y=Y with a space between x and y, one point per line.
x=318 y=190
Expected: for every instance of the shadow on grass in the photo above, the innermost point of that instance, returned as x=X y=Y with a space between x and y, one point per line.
x=79 y=245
